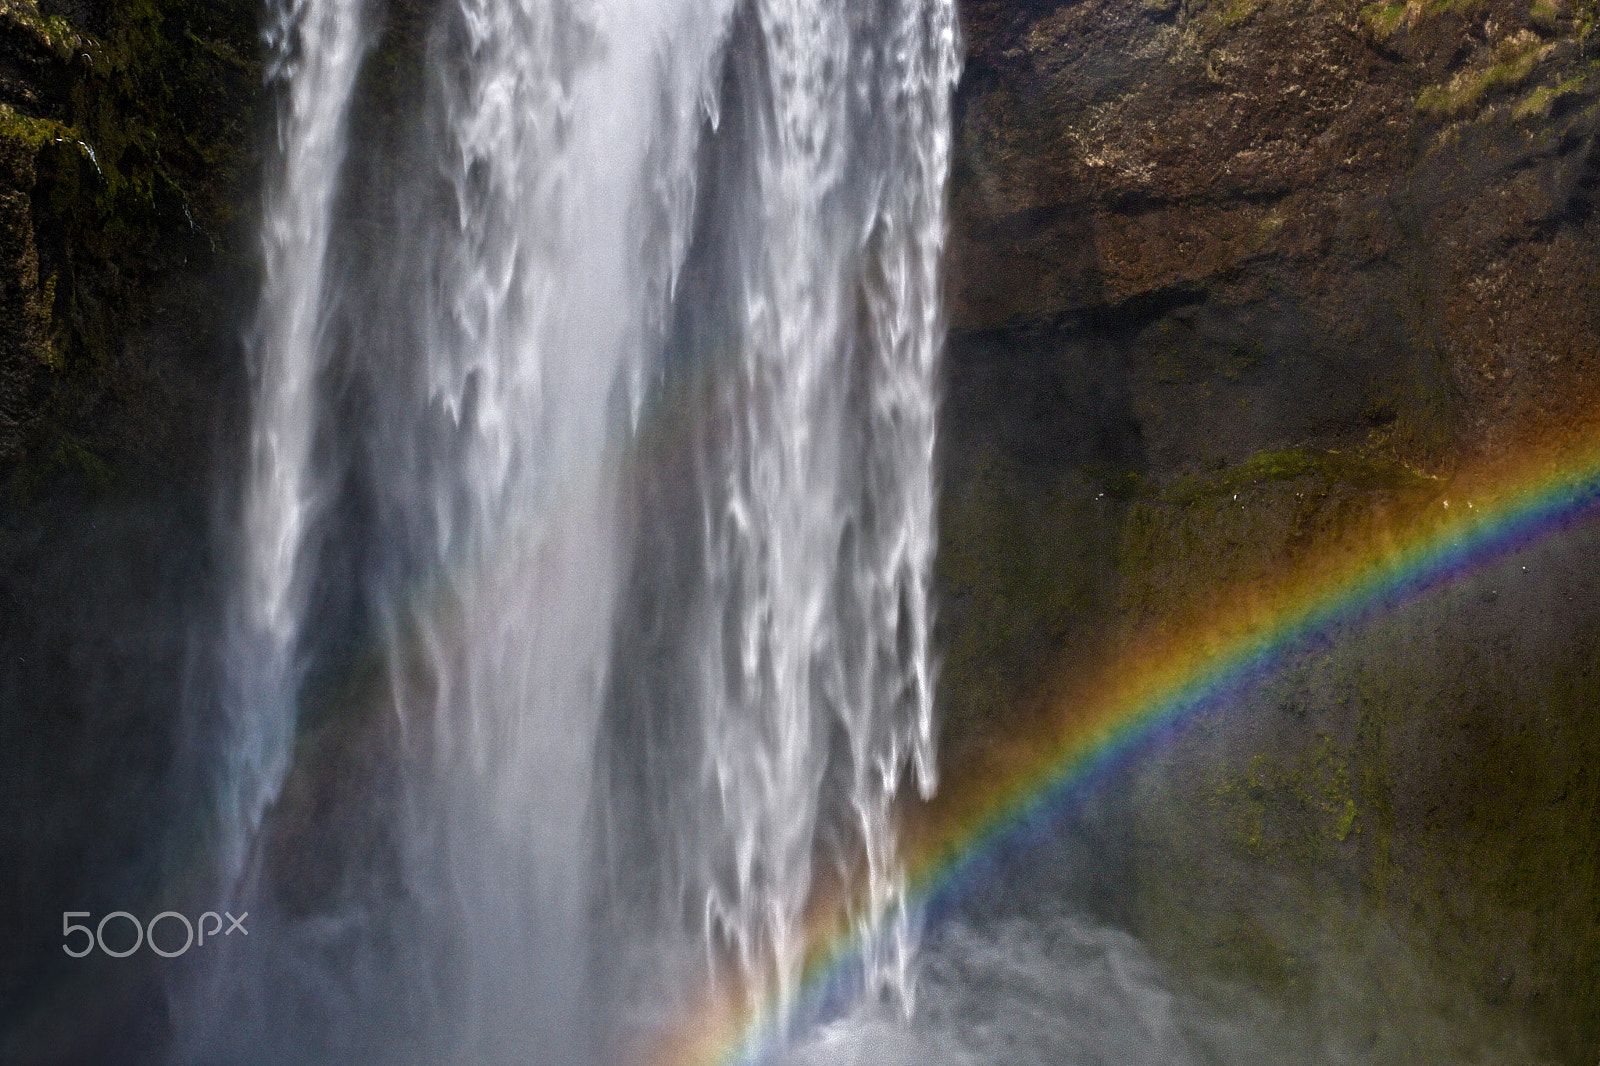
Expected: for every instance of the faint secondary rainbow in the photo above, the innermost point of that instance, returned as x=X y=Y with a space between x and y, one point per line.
x=1154 y=684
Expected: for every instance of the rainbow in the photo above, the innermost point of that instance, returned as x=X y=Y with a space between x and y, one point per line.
x=1460 y=526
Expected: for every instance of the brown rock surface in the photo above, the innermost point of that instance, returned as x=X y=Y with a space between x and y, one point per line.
x=1378 y=173
x=1234 y=287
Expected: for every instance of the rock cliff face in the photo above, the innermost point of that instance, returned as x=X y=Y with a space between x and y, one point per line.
x=128 y=134
x=1387 y=209
x=1235 y=286
x=1232 y=284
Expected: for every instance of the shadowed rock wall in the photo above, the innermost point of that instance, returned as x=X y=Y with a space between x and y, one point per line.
x=1231 y=284
x=129 y=131
x=1235 y=286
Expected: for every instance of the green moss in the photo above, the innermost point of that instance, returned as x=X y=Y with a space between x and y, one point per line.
x=1347 y=820
x=1382 y=20
x=132 y=153
x=1537 y=104
x=1235 y=12
x=1330 y=467
x=1514 y=60
x=1545 y=14
x=1454 y=795
x=1122 y=485
x=72 y=458
x=28 y=132
x=1302 y=806
x=51 y=32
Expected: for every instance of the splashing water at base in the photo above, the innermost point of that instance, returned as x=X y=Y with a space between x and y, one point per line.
x=1062 y=988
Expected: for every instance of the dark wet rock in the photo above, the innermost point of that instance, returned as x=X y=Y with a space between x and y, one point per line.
x=128 y=140
x=1237 y=287
x=1231 y=283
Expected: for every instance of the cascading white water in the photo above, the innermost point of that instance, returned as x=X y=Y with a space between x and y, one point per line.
x=566 y=149
x=506 y=334
x=815 y=681
x=316 y=48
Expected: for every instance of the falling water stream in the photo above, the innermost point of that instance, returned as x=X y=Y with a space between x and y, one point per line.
x=577 y=659
x=450 y=426
x=316 y=49
x=571 y=662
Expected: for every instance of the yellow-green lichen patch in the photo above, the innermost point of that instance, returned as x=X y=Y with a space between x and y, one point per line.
x=1537 y=104
x=1304 y=805
x=1382 y=20
x=1329 y=467
x=1507 y=67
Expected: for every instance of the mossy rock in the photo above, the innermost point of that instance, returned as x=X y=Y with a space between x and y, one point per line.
x=129 y=138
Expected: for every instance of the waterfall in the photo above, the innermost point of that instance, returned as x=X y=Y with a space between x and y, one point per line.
x=315 y=51
x=463 y=364
x=564 y=134
x=814 y=683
